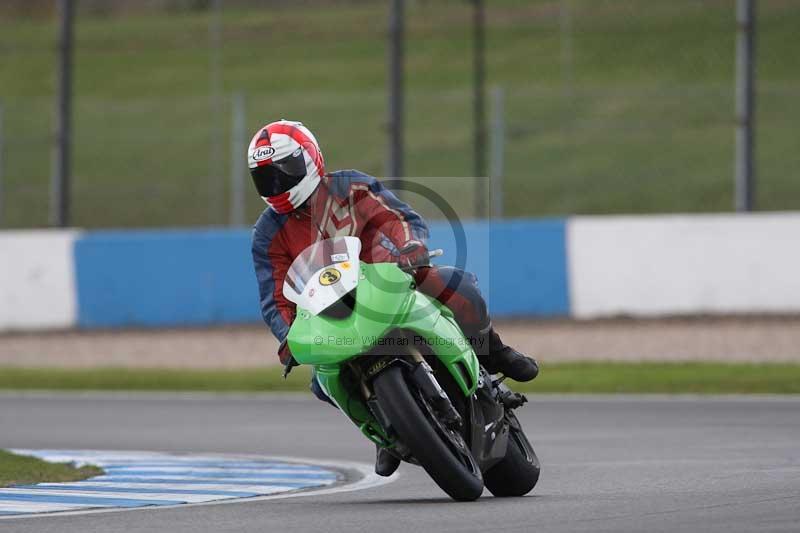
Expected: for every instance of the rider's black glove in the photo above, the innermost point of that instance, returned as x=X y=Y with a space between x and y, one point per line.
x=413 y=254
x=285 y=355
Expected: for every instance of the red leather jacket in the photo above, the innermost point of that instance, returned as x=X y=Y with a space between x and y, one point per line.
x=345 y=203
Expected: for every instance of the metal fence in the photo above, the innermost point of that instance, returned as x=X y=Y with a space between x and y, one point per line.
x=597 y=106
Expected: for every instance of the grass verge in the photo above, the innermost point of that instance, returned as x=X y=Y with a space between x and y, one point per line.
x=22 y=470
x=594 y=377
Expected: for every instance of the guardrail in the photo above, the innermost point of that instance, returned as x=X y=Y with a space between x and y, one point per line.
x=582 y=267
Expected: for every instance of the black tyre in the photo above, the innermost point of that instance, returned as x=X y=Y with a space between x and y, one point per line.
x=418 y=432
x=518 y=472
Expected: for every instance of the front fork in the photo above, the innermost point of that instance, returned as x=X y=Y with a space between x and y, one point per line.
x=362 y=408
x=489 y=410
x=420 y=374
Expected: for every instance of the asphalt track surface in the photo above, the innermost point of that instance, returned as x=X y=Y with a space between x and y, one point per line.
x=609 y=464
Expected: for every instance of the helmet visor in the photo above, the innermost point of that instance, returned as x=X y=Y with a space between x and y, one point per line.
x=280 y=176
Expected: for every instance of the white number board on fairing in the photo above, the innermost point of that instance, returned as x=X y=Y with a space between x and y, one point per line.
x=323 y=273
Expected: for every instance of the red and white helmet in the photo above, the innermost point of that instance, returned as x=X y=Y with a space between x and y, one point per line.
x=286 y=164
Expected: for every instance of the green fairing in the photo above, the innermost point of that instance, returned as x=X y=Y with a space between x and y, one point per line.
x=385 y=301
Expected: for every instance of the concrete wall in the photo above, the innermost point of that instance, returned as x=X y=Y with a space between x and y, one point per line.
x=673 y=265
x=583 y=267
x=37 y=280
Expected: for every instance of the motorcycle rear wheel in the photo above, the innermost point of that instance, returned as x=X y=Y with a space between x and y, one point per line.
x=417 y=432
x=518 y=472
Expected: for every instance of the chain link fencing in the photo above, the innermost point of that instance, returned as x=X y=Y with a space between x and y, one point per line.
x=610 y=106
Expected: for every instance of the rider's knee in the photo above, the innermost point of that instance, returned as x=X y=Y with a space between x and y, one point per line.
x=458 y=290
x=465 y=285
x=318 y=392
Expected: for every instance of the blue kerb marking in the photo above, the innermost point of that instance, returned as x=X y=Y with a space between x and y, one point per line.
x=129 y=483
x=241 y=466
x=195 y=481
x=79 y=487
x=265 y=475
x=85 y=500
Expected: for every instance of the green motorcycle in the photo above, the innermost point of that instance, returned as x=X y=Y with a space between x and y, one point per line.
x=397 y=364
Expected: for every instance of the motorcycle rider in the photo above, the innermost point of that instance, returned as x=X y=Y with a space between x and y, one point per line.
x=306 y=205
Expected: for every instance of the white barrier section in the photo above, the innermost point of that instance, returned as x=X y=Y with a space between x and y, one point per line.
x=37 y=279
x=684 y=264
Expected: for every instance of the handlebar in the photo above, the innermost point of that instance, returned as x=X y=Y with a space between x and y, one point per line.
x=431 y=254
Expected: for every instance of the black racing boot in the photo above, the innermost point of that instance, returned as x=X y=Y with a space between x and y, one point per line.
x=507 y=360
x=385 y=462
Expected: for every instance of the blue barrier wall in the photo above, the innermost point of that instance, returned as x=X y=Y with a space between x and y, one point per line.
x=170 y=278
x=521 y=264
x=165 y=278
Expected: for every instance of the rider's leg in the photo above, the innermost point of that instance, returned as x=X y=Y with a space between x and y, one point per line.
x=459 y=291
x=317 y=390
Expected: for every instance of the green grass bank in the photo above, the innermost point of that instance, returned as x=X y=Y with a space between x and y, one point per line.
x=612 y=106
x=22 y=470
x=579 y=378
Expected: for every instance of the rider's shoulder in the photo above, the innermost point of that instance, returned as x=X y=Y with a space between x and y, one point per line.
x=339 y=182
x=268 y=224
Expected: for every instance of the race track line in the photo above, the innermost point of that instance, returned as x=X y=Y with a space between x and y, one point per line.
x=136 y=480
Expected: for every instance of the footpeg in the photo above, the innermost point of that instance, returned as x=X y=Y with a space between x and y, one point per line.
x=512 y=400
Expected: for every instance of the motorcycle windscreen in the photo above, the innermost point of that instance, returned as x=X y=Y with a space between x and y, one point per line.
x=323 y=273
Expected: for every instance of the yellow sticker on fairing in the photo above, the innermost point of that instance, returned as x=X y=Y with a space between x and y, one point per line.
x=329 y=276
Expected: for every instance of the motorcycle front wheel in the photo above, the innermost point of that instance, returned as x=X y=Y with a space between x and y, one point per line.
x=418 y=432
